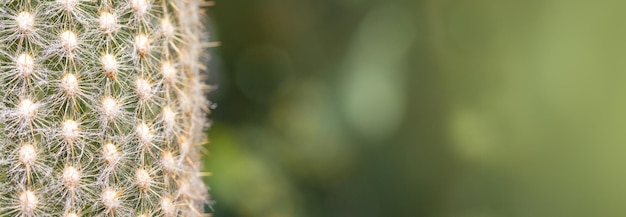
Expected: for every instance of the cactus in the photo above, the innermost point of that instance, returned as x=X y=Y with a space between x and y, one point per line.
x=102 y=108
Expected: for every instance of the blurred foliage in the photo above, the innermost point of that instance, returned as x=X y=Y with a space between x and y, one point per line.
x=452 y=108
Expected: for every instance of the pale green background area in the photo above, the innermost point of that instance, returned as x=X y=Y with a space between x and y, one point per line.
x=451 y=108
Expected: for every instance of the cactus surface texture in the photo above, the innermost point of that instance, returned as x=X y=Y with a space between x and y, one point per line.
x=102 y=108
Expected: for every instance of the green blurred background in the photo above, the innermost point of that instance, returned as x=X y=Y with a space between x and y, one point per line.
x=442 y=108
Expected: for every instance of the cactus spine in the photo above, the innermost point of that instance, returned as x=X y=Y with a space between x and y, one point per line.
x=102 y=108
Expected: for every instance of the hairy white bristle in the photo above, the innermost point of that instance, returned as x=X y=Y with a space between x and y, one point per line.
x=28 y=203
x=71 y=214
x=142 y=179
x=71 y=177
x=140 y=7
x=68 y=5
x=110 y=108
x=109 y=65
x=27 y=155
x=143 y=88
x=69 y=84
x=185 y=145
x=27 y=109
x=70 y=130
x=167 y=161
x=167 y=206
x=184 y=187
x=142 y=44
x=110 y=199
x=108 y=22
x=169 y=72
x=167 y=29
x=169 y=117
x=110 y=154
x=69 y=40
x=144 y=133
x=25 y=65
x=25 y=22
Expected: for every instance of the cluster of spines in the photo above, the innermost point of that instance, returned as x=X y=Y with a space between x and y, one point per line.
x=101 y=108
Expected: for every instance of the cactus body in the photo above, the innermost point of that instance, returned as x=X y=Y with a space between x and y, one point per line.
x=102 y=108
